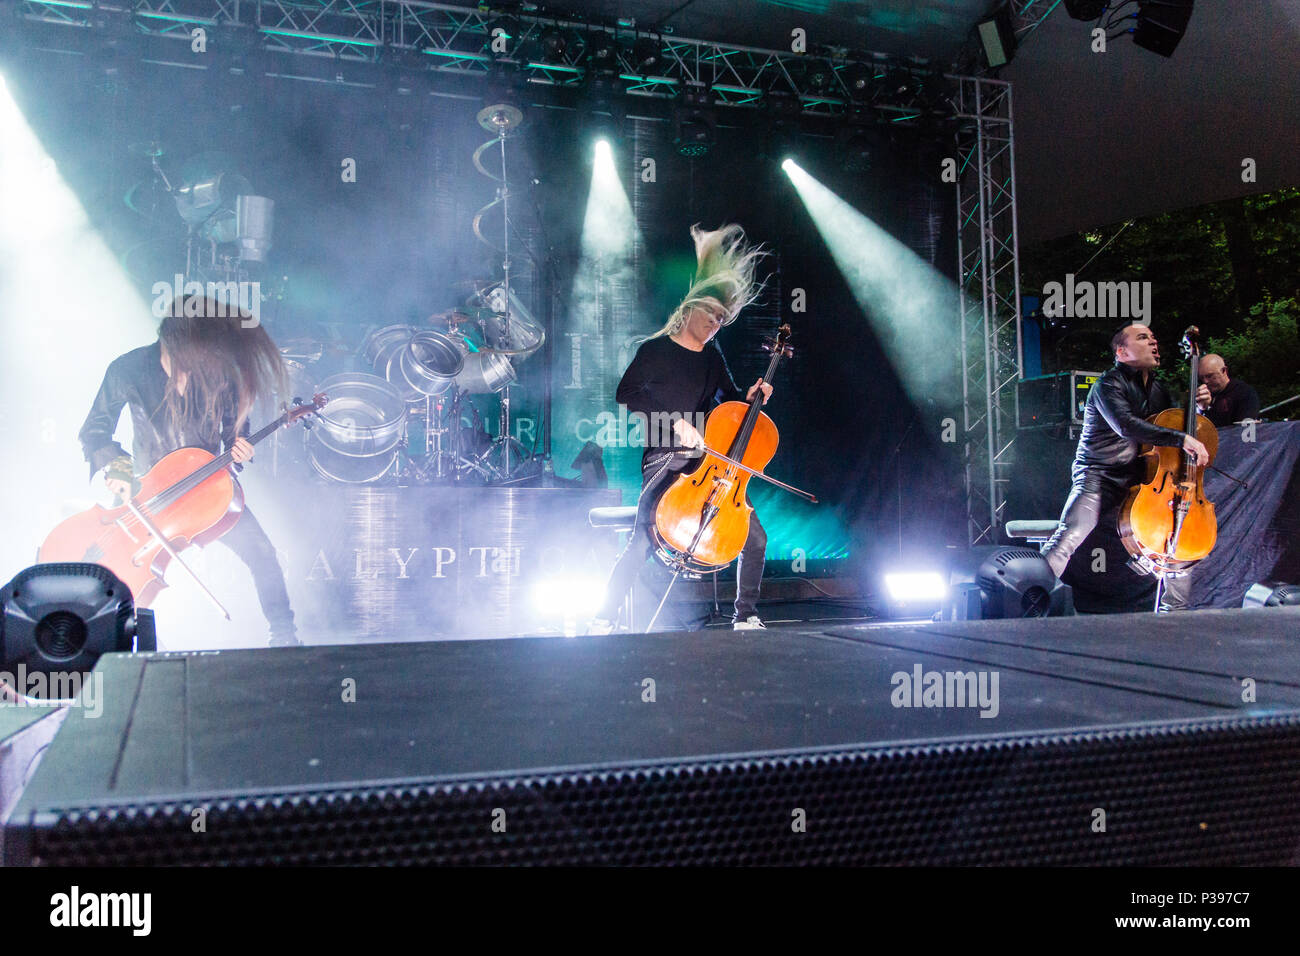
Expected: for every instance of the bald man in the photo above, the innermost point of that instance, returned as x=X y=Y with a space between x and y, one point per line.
x=1233 y=400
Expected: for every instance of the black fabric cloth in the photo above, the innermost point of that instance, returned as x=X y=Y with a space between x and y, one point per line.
x=665 y=379
x=656 y=478
x=1259 y=526
x=137 y=379
x=1237 y=402
x=1258 y=540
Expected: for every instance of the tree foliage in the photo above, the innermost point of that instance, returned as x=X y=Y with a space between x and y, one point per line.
x=1232 y=268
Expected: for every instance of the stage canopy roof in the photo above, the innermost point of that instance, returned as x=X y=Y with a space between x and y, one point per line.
x=1100 y=138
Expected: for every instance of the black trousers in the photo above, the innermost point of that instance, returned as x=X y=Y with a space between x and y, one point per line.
x=251 y=545
x=1095 y=493
x=655 y=480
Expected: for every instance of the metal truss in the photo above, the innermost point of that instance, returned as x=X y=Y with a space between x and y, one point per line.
x=363 y=42
x=449 y=41
x=1026 y=15
x=988 y=253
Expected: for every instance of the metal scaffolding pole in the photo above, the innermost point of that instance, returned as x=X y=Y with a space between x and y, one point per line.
x=988 y=253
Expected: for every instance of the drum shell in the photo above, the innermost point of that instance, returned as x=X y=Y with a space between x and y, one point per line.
x=485 y=372
x=381 y=344
x=348 y=469
x=365 y=417
x=427 y=365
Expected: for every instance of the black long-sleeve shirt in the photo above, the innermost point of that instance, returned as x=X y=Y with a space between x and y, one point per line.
x=137 y=379
x=1237 y=402
x=666 y=379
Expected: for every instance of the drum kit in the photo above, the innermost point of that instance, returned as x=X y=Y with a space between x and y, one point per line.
x=405 y=415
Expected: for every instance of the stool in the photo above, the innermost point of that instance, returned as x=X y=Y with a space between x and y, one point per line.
x=1035 y=532
x=618 y=520
x=615 y=519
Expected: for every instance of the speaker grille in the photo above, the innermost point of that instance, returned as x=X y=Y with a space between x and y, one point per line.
x=61 y=635
x=1221 y=793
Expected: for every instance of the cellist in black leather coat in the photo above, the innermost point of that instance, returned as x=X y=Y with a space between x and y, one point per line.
x=1107 y=462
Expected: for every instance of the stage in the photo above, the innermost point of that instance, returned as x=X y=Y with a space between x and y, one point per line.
x=1135 y=739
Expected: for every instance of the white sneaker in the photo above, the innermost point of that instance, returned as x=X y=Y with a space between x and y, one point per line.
x=751 y=623
x=599 y=625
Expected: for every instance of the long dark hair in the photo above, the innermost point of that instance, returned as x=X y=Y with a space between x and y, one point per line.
x=227 y=367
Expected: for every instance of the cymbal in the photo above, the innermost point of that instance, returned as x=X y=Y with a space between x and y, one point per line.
x=500 y=117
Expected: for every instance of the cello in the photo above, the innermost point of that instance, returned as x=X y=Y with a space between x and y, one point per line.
x=1167 y=524
x=702 y=520
x=190 y=497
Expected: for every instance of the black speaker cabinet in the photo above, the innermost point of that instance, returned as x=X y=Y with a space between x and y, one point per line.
x=721 y=747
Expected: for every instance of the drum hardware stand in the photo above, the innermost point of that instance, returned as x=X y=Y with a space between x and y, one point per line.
x=500 y=118
x=709 y=512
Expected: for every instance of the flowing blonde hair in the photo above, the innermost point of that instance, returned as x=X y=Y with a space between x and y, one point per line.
x=724 y=275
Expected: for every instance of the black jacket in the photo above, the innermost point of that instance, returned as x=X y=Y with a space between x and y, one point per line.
x=1237 y=401
x=137 y=379
x=1115 y=425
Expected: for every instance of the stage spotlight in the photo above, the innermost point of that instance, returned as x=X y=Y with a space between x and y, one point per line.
x=903 y=84
x=646 y=54
x=819 y=77
x=915 y=594
x=608 y=113
x=693 y=134
x=857 y=79
x=555 y=44
x=857 y=148
x=601 y=52
x=912 y=586
x=1000 y=582
x=608 y=227
x=694 y=125
x=59 y=619
x=781 y=100
x=569 y=600
x=75 y=302
x=906 y=300
x=1271 y=594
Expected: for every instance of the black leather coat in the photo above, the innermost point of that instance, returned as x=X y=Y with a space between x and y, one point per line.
x=1115 y=425
x=137 y=379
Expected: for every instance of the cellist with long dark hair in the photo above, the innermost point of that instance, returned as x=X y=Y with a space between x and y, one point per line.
x=195 y=387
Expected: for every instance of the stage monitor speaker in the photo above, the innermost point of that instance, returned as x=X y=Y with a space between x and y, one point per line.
x=688 y=748
x=1161 y=24
x=998 y=38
